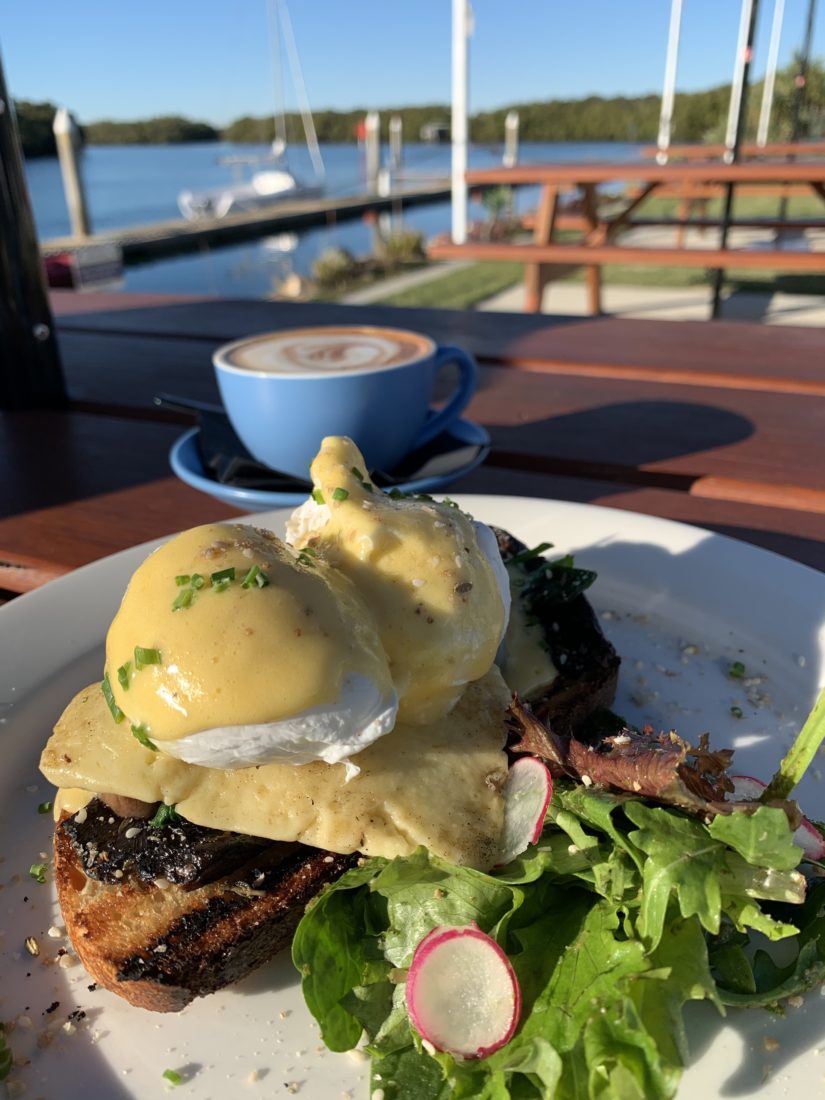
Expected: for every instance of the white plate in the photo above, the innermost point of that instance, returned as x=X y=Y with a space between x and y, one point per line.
x=680 y=604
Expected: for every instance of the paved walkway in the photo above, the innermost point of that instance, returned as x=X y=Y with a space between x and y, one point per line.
x=670 y=303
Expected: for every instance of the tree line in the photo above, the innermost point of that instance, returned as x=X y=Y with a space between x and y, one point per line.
x=698 y=116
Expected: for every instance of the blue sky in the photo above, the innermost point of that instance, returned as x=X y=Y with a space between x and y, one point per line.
x=211 y=59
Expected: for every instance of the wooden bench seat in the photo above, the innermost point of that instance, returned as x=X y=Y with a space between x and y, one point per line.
x=582 y=254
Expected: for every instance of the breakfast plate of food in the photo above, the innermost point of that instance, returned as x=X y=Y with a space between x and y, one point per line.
x=397 y=797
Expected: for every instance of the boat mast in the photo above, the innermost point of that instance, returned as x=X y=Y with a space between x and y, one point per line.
x=298 y=78
x=669 y=90
x=770 y=74
x=461 y=29
x=279 y=114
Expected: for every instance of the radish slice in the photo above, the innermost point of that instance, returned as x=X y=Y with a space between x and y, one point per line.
x=462 y=993
x=807 y=836
x=527 y=793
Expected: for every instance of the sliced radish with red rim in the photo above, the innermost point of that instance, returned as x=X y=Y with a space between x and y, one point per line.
x=527 y=793
x=462 y=993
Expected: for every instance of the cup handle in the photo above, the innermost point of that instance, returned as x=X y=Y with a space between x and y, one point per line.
x=467 y=382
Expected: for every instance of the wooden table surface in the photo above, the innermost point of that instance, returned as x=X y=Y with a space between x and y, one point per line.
x=719 y=425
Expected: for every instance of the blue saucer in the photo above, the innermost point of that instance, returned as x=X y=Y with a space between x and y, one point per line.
x=186 y=463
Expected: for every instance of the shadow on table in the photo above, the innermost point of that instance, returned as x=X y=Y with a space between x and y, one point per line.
x=625 y=441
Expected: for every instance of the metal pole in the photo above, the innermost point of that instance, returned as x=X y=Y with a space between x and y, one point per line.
x=669 y=90
x=770 y=74
x=461 y=18
x=800 y=94
x=801 y=79
x=67 y=137
x=736 y=119
x=30 y=375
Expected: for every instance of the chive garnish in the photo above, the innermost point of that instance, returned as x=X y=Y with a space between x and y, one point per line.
x=123 y=675
x=108 y=695
x=198 y=580
x=146 y=656
x=38 y=872
x=183 y=599
x=736 y=670
x=165 y=815
x=361 y=478
x=44 y=807
x=307 y=556
x=222 y=579
x=182 y=579
x=340 y=494
x=140 y=733
x=317 y=496
x=172 y=1076
x=737 y=712
x=256 y=577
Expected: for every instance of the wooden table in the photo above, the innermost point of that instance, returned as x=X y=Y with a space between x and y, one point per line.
x=548 y=254
x=718 y=425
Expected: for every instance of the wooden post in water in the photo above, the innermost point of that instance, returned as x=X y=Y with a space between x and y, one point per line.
x=372 y=149
x=30 y=374
x=510 y=158
x=67 y=137
x=396 y=143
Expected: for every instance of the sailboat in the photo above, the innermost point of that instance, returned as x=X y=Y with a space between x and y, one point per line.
x=270 y=178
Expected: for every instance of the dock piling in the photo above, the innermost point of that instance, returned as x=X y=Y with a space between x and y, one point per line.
x=67 y=137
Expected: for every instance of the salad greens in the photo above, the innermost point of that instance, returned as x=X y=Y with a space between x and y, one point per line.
x=625 y=909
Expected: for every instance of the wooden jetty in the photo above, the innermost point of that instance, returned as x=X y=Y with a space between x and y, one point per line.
x=168 y=238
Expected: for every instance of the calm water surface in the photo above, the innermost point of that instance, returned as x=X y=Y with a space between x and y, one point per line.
x=139 y=184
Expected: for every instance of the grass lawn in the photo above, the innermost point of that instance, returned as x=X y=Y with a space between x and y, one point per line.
x=469 y=285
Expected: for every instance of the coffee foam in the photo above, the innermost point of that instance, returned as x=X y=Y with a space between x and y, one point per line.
x=329 y=351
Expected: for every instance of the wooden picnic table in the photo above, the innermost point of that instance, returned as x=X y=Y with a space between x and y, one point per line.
x=717 y=425
x=548 y=254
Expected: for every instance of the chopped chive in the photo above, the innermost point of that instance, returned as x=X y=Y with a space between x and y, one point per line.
x=123 y=675
x=361 y=478
x=44 y=807
x=198 y=580
x=108 y=695
x=528 y=555
x=38 y=872
x=182 y=579
x=183 y=599
x=255 y=576
x=307 y=555
x=340 y=494
x=146 y=656
x=396 y=494
x=736 y=670
x=165 y=815
x=222 y=579
x=140 y=733
x=317 y=496
x=172 y=1076
x=737 y=712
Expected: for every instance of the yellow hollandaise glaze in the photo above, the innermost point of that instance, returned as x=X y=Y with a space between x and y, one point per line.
x=232 y=654
x=437 y=599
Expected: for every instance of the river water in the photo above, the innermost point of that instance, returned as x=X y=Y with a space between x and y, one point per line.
x=138 y=184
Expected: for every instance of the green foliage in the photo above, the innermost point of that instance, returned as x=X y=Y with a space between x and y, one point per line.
x=167 y=130
x=405 y=246
x=698 y=116
x=333 y=268
x=34 y=123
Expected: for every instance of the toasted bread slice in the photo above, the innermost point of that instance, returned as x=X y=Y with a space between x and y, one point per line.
x=159 y=948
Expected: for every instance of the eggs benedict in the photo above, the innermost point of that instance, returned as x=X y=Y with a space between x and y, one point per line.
x=270 y=711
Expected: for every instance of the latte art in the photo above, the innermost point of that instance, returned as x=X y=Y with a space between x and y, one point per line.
x=330 y=351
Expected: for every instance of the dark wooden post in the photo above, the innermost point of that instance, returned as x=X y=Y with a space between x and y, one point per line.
x=30 y=374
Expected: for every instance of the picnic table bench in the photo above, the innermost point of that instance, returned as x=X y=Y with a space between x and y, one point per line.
x=598 y=244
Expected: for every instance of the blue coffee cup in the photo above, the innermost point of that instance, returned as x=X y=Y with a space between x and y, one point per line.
x=285 y=391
